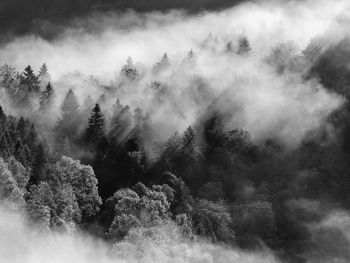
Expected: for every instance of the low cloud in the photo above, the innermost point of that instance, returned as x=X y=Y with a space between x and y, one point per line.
x=250 y=93
x=21 y=242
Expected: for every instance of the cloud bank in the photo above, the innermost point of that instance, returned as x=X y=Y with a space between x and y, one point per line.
x=21 y=242
x=245 y=89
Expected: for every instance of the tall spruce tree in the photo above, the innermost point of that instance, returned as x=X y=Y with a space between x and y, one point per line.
x=163 y=64
x=96 y=129
x=244 y=46
x=191 y=58
x=44 y=76
x=129 y=70
x=43 y=70
x=68 y=123
x=30 y=80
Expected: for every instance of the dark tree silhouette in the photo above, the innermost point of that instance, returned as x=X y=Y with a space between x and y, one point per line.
x=243 y=46
x=30 y=80
x=129 y=70
x=96 y=129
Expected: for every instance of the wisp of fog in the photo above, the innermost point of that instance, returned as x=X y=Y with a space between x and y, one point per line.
x=21 y=242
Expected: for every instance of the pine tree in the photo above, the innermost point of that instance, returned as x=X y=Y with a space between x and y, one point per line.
x=96 y=130
x=43 y=70
x=46 y=97
x=188 y=137
x=70 y=104
x=163 y=64
x=30 y=80
x=117 y=108
x=129 y=71
x=44 y=76
x=121 y=122
x=190 y=58
x=243 y=46
x=68 y=123
x=165 y=60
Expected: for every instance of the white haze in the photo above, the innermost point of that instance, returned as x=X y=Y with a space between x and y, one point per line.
x=21 y=242
x=246 y=90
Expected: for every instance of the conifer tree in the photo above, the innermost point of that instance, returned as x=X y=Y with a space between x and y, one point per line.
x=129 y=71
x=165 y=60
x=188 y=138
x=190 y=58
x=43 y=71
x=121 y=122
x=44 y=76
x=46 y=97
x=30 y=80
x=96 y=128
x=163 y=64
x=117 y=107
x=243 y=46
x=68 y=123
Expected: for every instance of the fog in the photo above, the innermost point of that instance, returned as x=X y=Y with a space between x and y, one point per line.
x=23 y=241
x=20 y=241
x=102 y=43
x=266 y=91
x=248 y=91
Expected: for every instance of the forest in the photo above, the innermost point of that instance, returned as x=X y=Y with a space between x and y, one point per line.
x=214 y=145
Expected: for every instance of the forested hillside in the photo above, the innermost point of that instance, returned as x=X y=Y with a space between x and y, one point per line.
x=94 y=167
x=200 y=146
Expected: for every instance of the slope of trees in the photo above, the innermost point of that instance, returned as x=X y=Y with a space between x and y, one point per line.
x=103 y=165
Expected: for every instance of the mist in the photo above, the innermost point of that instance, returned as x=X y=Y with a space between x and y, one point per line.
x=252 y=95
x=21 y=241
x=173 y=136
x=101 y=43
